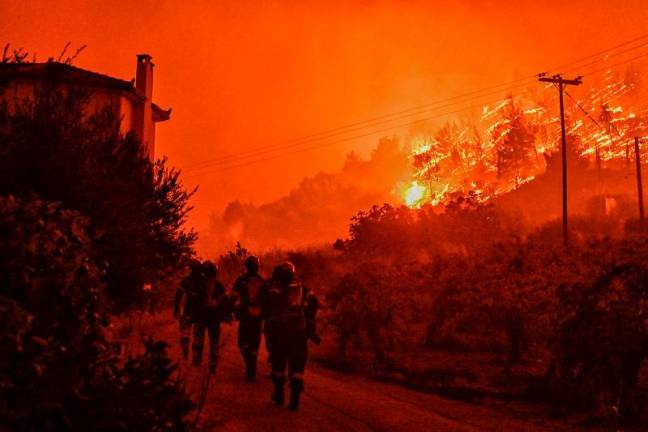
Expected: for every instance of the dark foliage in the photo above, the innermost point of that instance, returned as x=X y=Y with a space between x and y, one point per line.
x=230 y=264
x=457 y=226
x=57 y=370
x=55 y=146
x=141 y=395
x=603 y=338
x=373 y=307
x=566 y=325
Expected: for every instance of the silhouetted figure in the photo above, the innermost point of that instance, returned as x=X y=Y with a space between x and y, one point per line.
x=211 y=309
x=290 y=311
x=249 y=289
x=270 y=325
x=185 y=304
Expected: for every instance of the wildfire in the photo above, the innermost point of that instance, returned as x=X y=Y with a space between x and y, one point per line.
x=415 y=194
x=503 y=149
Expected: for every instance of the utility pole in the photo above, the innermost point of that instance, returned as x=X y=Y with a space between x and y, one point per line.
x=639 y=185
x=561 y=83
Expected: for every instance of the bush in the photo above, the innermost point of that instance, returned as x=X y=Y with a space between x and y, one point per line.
x=141 y=395
x=377 y=304
x=462 y=225
x=57 y=369
x=55 y=146
x=570 y=319
x=602 y=339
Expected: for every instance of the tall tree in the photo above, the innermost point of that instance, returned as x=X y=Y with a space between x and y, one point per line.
x=514 y=139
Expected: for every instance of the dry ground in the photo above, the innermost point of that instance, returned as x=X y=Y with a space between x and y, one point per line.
x=332 y=401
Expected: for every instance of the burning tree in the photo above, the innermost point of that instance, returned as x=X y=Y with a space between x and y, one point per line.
x=504 y=148
x=514 y=142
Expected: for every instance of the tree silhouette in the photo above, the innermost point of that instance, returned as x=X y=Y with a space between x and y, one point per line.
x=56 y=147
x=514 y=139
x=58 y=370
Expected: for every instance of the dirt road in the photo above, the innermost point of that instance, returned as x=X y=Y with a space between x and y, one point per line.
x=332 y=402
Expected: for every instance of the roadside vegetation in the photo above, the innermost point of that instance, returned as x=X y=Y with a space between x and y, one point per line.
x=456 y=302
x=90 y=230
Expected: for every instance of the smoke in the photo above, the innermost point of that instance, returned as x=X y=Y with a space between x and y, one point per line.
x=507 y=155
x=318 y=210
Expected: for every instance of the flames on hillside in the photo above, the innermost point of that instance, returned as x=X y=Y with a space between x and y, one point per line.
x=505 y=144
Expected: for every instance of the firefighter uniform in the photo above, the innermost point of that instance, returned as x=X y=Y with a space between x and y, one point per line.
x=269 y=325
x=290 y=313
x=208 y=314
x=249 y=289
x=185 y=302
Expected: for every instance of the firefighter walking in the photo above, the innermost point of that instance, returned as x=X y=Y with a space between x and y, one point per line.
x=290 y=310
x=211 y=302
x=185 y=304
x=205 y=306
x=249 y=290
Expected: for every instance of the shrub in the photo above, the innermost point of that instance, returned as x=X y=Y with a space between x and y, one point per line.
x=57 y=369
x=55 y=146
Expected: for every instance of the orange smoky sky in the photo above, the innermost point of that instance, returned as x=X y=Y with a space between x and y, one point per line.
x=243 y=74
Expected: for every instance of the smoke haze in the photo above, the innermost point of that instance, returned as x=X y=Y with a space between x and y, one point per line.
x=240 y=75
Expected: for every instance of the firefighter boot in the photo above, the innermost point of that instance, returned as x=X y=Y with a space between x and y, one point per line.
x=278 y=394
x=296 y=387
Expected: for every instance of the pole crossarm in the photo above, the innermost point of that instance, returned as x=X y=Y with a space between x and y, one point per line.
x=557 y=79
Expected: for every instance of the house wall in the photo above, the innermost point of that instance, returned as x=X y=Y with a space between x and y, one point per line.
x=126 y=111
x=131 y=112
x=16 y=92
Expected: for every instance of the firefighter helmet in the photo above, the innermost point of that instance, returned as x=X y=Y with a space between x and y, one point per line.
x=210 y=269
x=252 y=264
x=287 y=273
x=195 y=267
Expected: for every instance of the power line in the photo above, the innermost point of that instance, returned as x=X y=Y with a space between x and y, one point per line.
x=593 y=73
x=357 y=126
x=322 y=145
x=579 y=106
x=371 y=122
x=251 y=153
x=314 y=147
x=601 y=53
x=616 y=64
x=227 y=165
x=286 y=147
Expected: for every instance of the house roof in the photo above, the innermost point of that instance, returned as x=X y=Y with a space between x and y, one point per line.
x=73 y=75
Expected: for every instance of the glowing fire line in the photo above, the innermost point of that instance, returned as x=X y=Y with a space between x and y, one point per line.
x=504 y=149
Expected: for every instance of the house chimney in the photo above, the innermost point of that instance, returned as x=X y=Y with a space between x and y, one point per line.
x=144 y=77
x=144 y=125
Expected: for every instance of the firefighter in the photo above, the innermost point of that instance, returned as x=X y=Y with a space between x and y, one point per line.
x=290 y=310
x=249 y=289
x=269 y=325
x=185 y=303
x=211 y=309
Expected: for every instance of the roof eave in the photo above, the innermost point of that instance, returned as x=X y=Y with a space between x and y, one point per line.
x=159 y=114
